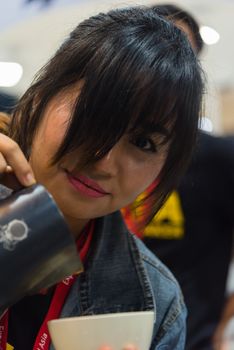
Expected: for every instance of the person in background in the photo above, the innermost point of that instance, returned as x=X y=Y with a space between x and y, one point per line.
x=193 y=232
x=115 y=110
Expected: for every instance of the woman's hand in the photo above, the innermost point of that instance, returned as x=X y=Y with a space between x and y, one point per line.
x=15 y=171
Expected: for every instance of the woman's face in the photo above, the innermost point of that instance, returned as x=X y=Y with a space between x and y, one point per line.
x=102 y=187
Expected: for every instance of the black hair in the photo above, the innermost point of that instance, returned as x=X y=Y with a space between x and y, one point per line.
x=137 y=71
x=175 y=13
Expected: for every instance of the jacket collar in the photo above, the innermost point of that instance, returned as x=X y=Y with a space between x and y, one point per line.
x=115 y=279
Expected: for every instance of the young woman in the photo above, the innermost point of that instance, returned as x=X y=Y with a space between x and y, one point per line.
x=113 y=112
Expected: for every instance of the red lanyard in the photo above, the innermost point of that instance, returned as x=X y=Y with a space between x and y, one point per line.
x=62 y=289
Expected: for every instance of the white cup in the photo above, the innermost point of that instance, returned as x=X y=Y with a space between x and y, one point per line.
x=92 y=332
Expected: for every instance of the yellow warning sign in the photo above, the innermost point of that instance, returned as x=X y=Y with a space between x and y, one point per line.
x=169 y=222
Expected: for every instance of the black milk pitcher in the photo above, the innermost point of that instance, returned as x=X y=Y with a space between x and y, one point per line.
x=37 y=249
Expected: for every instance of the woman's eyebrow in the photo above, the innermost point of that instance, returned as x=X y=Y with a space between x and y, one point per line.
x=152 y=128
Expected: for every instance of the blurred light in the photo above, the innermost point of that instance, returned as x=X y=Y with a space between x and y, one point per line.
x=209 y=35
x=10 y=73
x=206 y=124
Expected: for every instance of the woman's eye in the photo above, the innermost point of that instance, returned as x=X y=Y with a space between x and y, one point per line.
x=144 y=143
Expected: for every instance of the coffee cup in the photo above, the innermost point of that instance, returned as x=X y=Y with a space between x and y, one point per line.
x=115 y=330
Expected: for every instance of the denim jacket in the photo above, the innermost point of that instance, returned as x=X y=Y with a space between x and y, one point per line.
x=121 y=275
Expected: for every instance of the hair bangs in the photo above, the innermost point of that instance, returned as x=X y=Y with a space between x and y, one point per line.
x=128 y=89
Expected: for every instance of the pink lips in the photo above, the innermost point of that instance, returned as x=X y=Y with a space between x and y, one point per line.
x=86 y=186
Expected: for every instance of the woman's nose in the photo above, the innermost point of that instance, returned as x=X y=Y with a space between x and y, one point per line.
x=109 y=164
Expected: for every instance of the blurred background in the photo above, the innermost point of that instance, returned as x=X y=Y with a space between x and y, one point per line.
x=31 y=30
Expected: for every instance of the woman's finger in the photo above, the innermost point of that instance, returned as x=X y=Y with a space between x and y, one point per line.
x=15 y=158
